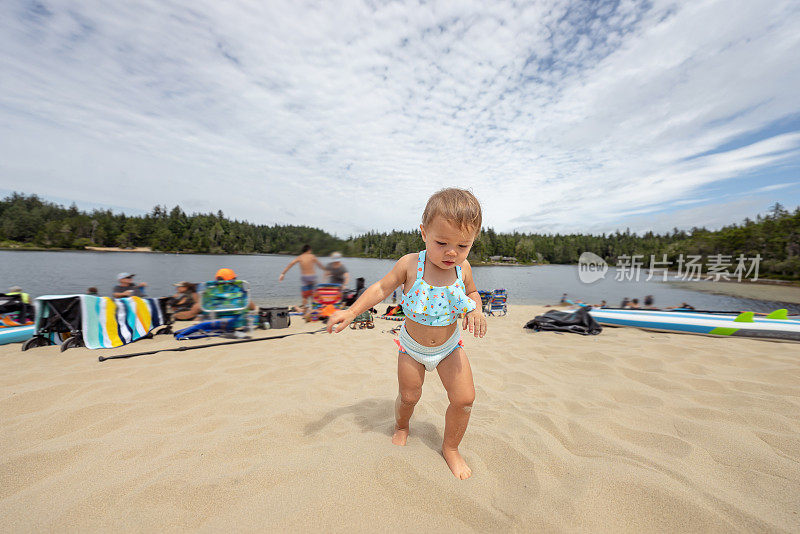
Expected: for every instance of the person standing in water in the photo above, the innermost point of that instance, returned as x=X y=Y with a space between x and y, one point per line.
x=308 y=272
x=337 y=272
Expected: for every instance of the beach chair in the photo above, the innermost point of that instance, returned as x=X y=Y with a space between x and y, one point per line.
x=485 y=296
x=225 y=299
x=325 y=298
x=497 y=304
x=96 y=322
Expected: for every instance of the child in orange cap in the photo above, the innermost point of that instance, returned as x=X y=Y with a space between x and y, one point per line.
x=225 y=274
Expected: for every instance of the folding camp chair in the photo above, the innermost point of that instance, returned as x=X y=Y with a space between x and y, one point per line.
x=226 y=298
x=497 y=304
x=324 y=298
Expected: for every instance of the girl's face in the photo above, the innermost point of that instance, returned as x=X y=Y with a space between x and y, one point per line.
x=446 y=245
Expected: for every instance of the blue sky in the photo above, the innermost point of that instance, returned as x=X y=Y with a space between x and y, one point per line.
x=560 y=116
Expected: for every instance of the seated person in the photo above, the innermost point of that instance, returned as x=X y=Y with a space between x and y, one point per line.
x=185 y=303
x=16 y=290
x=18 y=308
x=126 y=287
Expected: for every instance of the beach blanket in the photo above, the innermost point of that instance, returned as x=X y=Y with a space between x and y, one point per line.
x=108 y=322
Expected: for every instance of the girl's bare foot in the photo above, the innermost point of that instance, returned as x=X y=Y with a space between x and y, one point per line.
x=456 y=463
x=400 y=436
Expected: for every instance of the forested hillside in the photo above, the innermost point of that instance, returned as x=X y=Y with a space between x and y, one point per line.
x=27 y=220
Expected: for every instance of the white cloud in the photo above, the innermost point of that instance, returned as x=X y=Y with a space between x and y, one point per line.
x=711 y=215
x=347 y=115
x=776 y=187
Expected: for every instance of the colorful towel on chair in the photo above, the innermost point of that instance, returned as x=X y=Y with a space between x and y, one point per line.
x=108 y=322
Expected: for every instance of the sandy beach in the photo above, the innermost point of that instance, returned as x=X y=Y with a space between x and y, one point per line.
x=627 y=431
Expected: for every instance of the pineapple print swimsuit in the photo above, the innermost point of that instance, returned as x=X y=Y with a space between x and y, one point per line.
x=433 y=306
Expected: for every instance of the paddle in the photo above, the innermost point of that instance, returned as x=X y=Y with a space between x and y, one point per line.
x=207 y=345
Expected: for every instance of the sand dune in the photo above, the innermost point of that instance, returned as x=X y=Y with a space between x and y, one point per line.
x=626 y=431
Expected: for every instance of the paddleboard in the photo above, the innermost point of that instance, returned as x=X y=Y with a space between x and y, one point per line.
x=16 y=334
x=746 y=324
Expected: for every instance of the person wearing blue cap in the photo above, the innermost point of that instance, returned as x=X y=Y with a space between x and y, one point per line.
x=126 y=287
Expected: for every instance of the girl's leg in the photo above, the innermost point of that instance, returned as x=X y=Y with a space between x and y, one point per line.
x=410 y=376
x=456 y=376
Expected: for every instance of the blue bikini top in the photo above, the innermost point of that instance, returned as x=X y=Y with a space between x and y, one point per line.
x=435 y=305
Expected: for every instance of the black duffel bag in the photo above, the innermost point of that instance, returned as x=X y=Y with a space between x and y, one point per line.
x=577 y=322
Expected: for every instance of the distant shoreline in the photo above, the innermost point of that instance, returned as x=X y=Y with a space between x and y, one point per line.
x=141 y=250
x=148 y=250
x=118 y=249
x=767 y=290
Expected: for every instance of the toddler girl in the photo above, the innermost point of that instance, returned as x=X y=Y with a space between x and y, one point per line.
x=437 y=287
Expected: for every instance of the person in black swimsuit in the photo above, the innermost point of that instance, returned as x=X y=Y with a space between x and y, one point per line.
x=186 y=302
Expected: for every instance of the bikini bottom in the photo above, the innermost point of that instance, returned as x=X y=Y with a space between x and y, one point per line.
x=430 y=357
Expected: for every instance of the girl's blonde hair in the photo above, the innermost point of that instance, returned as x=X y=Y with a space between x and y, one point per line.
x=457 y=206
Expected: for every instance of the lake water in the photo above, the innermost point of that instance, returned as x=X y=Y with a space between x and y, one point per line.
x=45 y=272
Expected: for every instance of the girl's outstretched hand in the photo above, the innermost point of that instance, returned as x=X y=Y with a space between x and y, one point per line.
x=342 y=318
x=476 y=323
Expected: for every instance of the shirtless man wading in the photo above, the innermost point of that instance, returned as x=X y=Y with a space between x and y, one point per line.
x=308 y=272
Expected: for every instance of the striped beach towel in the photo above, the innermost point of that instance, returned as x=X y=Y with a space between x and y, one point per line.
x=108 y=322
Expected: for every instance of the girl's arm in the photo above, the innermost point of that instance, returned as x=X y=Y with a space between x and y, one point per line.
x=469 y=284
x=373 y=295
